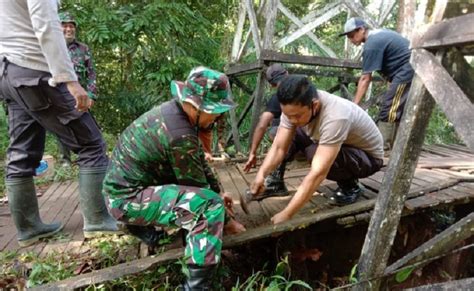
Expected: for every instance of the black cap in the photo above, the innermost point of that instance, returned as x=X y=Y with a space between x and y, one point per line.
x=275 y=73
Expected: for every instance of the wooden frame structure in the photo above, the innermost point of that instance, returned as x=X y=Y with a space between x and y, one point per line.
x=431 y=84
x=266 y=49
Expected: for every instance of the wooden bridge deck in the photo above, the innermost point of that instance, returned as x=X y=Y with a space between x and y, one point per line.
x=445 y=175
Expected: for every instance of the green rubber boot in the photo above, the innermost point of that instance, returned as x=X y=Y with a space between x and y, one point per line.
x=97 y=220
x=389 y=131
x=25 y=213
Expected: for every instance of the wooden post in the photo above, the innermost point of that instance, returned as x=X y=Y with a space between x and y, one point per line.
x=395 y=185
x=253 y=26
x=271 y=13
x=238 y=33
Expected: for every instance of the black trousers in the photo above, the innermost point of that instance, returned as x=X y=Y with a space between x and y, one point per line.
x=33 y=108
x=350 y=164
x=393 y=103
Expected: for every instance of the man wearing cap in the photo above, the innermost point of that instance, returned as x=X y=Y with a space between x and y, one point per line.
x=274 y=183
x=388 y=53
x=40 y=87
x=158 y=175
x=81 y=58
x=349 y=145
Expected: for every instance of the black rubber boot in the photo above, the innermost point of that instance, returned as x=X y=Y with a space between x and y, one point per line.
x=97 y=220
x=147 y=234
x=199 y=278
x=25 y=213
x=347 y=193
x=275 y=184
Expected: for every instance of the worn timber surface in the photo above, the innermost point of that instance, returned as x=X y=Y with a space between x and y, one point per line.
x=445 y=175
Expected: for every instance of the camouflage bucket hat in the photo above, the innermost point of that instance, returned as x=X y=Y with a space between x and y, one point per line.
x=205 y=89
x=66 y=17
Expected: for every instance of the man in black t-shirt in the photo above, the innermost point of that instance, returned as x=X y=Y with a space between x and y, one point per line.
x=268 y=122
x=388 y=53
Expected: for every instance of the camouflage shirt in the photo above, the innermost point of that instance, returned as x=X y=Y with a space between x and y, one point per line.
x=160 y=147
x=81 y=57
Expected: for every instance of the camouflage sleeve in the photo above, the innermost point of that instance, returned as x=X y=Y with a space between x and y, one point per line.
x=211 y=178
x=189 y=166
x=91 y=76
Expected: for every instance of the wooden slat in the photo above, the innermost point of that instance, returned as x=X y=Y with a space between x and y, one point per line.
x=457 y=31
x=243 y=69
x=271 y=56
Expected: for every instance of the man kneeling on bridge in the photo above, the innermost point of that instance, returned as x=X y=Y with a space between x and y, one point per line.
x=158 y=175
x=348 y=144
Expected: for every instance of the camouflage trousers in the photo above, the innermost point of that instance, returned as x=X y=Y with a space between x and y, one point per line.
x=200 y=211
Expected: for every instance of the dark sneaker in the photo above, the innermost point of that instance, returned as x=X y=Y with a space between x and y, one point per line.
x=346 y=197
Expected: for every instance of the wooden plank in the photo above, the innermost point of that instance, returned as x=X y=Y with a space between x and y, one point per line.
x=238 y=34
x=253 y=26
x=458 y=148
x=448 y=152
x=97 y=277
x=445 y=163
x=462 y=284
x=243 y=69
x=271 y=56
x=258 y=216
x=311 y=35
x=438 y=245
x=440 y=84
x=330 y=12
x=395 y=185
x=458 y=31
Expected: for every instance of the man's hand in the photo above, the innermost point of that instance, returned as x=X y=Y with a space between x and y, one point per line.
x=251 y=162
x=208 y=157
x=257 y=185
x=280 y=217
x=228 y=203
x=83 y=102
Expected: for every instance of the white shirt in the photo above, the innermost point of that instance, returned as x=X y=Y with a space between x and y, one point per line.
x=31 y=36
x=339 y=121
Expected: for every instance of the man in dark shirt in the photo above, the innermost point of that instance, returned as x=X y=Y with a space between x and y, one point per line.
x=388 y=53
x=274 y=184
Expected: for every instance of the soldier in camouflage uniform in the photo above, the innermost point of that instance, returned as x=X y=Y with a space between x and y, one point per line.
x=158 y=175
x=81 y=58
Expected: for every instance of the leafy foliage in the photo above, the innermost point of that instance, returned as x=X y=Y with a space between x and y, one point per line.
x=140 y=46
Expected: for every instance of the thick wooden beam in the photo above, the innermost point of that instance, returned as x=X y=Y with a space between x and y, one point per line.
x=271 y=56
x=330 y=12
x=443 y=242
x=458 y=31
x=452 y=100
x=395 y=184
x=238 y=34
x=311 y=35
x=243 y=69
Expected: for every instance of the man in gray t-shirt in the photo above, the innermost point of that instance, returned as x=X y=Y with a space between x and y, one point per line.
x=348 y=144
x=388 y=53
